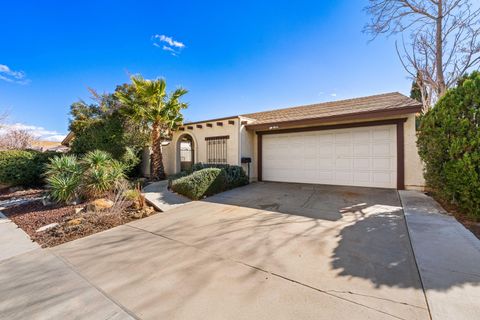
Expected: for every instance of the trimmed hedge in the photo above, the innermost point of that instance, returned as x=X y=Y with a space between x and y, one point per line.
x=23 y=167
x=449 y=144
x=201 y=183
x=235 y=175
x=207 y=180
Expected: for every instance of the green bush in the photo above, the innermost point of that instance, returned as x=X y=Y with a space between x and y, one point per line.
x=449 y=144
x=196 y=184
x=201 y=183
x=235 y=175
x=23 y=167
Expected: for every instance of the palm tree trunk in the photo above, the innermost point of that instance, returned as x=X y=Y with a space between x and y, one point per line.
x=158 y=171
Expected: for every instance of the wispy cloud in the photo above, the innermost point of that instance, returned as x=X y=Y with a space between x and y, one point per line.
x=168 y=44
x=9 y=75
x=331 y=94
x=39 y=133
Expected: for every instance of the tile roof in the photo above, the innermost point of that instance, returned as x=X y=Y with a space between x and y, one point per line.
x=381 y=102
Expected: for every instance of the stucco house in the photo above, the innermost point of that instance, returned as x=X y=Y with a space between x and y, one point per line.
x=368 y=141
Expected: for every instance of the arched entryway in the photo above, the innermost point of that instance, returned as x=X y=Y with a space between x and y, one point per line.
x=185 y=152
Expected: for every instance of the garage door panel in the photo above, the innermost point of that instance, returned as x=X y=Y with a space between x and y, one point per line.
x=382 y=134
x=362 y=137
x=362 y=149
x=343 y=136
x=342 y=149
x=382 y=163
x=362 y=163
x=382 y=149
x=358 y=156
x=343 y=163
x=344 y=177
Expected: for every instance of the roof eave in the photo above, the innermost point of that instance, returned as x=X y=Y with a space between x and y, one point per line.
x=328 y=119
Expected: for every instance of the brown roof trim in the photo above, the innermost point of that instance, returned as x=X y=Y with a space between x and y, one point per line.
x=66 y=141
x=344 y=117
x=211 y=120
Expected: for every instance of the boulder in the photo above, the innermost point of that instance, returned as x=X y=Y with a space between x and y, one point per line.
x=75 y=222
x=47 y=227
x=78 y=210
x=100 y=205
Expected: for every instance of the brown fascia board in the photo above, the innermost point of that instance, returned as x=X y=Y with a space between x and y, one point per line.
x=344 y=117
x=66 y=141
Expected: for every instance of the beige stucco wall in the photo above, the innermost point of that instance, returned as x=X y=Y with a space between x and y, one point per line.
x=413 y=164
x=167 y=152
x=200 y=146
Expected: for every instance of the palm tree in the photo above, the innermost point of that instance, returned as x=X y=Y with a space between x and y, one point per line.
x=150 y=106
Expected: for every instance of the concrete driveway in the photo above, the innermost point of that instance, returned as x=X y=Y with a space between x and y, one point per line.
x=264 y=251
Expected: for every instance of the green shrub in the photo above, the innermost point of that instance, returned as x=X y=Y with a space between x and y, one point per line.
x=63 y=175
x=201 y=183
x=23 y=167
x=449 y=144
x=176 y=176
x=235 y=175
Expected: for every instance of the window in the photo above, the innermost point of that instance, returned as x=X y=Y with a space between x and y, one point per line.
x=217 y=149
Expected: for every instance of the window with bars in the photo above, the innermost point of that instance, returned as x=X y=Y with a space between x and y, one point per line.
x=217 y=149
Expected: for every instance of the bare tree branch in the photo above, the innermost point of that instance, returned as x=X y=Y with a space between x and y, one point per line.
x=444 y=39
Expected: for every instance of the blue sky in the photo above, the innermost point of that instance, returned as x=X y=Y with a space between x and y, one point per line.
x=233 y=57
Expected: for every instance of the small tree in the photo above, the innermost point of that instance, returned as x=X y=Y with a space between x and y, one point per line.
x=16 y=139
x=442 y=40
x=156 y=110
x=101 y=126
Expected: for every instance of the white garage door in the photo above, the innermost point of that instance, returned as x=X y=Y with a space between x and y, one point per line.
x=355 y=157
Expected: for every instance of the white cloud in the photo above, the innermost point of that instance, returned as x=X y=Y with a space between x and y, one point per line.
x=167 y=44
x=333 y=94
x=39 y=133
x=9 y=75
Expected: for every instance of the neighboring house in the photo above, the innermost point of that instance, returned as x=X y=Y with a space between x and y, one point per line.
x=49 y=146
x=368 y=141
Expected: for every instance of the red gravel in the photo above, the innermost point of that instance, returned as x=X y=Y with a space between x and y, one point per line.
x=33 y=215
x=6 y=194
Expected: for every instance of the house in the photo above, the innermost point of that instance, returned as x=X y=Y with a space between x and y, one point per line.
x=368 y=141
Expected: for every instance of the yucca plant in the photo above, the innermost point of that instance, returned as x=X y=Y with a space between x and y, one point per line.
x=101 y=174
x=63 y=175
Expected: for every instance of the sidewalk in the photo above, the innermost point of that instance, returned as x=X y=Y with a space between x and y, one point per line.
x=39 y=285
x=448 y=258
x=13 y=240
x=160 y=197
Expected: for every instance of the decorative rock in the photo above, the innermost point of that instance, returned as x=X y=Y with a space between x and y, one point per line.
x=100 y=204
x=47 y=227
x=75 y=222
x=137 y=214
x=78 y=210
